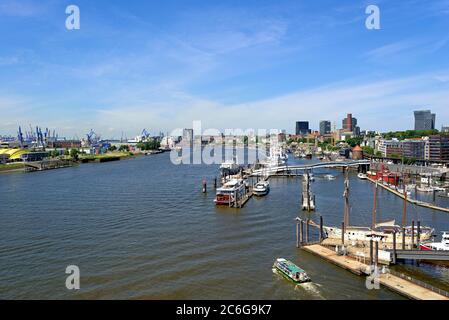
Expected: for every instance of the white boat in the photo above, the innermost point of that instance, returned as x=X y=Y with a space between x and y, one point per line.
x=424 y=189
x=437 y=246
x=230 y=192
x=383 y=233
x=261 y=188
x=291 y=271
x=362 y=176
x=329 y=177
x=438 y=188
x=311 y=177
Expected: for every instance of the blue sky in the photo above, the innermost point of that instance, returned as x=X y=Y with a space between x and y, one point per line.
x=231 y=64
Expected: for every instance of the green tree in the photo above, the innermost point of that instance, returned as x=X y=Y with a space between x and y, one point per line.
x=74 y=153
x=112 y=148
x=368 y=150
x=66 y=152
x=123 y=147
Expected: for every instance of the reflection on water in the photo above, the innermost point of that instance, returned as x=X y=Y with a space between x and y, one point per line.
x=142 y=229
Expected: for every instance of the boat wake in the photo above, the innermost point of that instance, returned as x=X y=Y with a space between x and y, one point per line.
x=310 y=287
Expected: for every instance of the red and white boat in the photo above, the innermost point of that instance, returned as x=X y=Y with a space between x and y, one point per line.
x=437 y=246
x=230 y=192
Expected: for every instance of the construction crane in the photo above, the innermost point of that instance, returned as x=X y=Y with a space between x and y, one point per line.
x=20 y=137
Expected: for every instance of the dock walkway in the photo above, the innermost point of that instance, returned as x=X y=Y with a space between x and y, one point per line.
x=412 y=201
x=395 y=283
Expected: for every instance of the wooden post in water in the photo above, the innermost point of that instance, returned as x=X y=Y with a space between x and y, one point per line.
x=301 y=236
x=413 y=234
x=394 y=247
x=404 y=212
x=307 y=231
x=371 y=252
x=321 y=228
x=297 y=234
x=403 y=238
x=343 y=233
x=204 y=186
x=215 y=183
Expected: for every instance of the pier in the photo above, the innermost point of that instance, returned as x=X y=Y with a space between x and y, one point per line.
x=363 y=261
x=412 y=201
x=46 y=165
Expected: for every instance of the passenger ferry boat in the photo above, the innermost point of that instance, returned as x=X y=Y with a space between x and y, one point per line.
x=230 y=192
x=291 y=271
x=437 y=246
x=262 y=188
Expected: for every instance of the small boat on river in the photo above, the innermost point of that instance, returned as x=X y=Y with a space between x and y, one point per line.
x=291 y=271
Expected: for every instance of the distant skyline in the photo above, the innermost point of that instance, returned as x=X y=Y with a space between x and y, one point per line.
x=160 y=65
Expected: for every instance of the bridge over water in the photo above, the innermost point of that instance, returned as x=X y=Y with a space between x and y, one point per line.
x=299 y=169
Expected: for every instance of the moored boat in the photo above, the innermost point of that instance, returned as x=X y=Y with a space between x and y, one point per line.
x=437 y=246
x=329 y=177
x=261 y=188
x=291 y=271
x=362 y=176
x=230 y=192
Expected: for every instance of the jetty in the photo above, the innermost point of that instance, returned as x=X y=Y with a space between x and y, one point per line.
x=46 y=165
x=408 y=199
x=400 y=283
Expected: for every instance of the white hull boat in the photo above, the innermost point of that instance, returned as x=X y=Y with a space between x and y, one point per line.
x=261 y=188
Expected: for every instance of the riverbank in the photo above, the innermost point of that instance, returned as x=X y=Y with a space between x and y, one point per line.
x=98 y=158
x=12 y=167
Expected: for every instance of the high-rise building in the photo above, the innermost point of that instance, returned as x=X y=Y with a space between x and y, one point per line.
x=349 y=124
x=424 y=120
x=302 y=127
x=439 y=147
x=325 y=127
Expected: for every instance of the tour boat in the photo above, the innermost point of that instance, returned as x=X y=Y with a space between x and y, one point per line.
x=230 y=192
x=362 y=176
x=291 y=271
x=261 y=188
x=437 y=246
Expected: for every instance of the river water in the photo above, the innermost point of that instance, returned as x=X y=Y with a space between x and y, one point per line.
x=142 y=229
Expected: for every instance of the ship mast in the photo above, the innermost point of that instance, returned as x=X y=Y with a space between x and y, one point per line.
x=346 y=196
x=375 y=207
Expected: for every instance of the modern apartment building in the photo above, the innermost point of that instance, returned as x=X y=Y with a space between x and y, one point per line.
x=325 y=127
x=439 y=148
